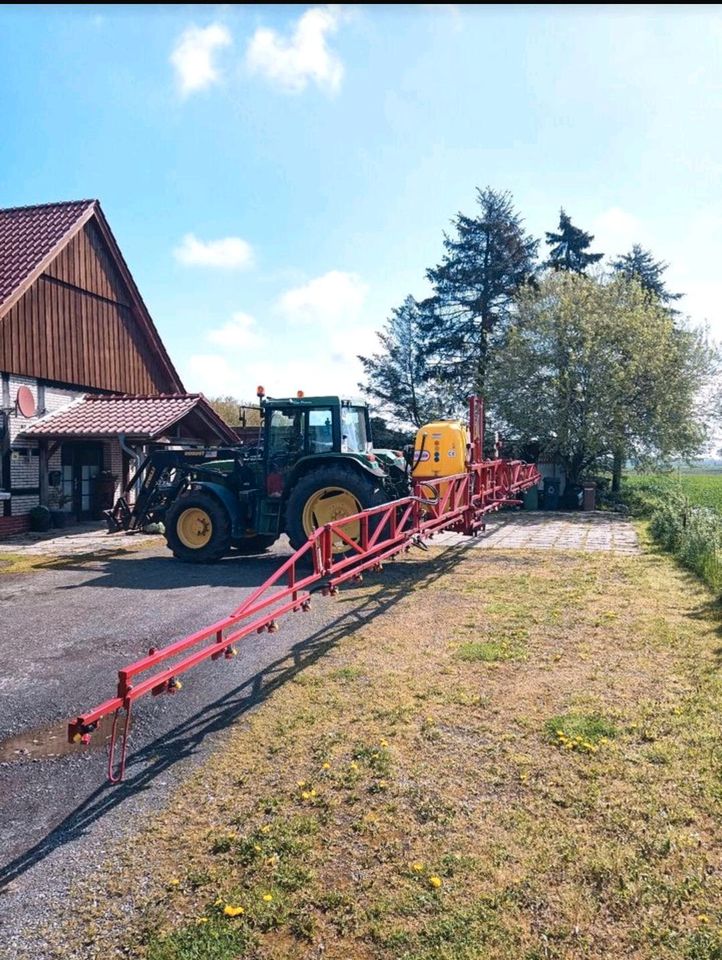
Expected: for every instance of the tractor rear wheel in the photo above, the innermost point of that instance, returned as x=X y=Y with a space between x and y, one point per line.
x=198 y=528
x=325 y=494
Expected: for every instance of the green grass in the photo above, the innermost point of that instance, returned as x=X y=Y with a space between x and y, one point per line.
x=407 y=823
x=580 y=731
x=685 y=513
x=701 y=488
x=486 y=652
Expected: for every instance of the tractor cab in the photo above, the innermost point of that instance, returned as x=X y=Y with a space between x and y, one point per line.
x=311 y=427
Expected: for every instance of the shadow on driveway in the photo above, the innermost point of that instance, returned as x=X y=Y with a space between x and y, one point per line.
x=184 y=740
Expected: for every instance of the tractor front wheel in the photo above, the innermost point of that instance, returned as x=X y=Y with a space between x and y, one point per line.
x=198 y=528
x=325 y=494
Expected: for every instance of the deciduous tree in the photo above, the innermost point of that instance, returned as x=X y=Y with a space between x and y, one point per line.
x=591 y=366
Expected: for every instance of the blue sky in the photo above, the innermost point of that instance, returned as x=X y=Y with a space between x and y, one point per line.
x=279 y=177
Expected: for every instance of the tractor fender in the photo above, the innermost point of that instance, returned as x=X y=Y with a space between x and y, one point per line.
x=229 y=501
x=318 y=460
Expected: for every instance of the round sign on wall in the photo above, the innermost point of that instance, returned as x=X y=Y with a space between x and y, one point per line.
x=25 y=402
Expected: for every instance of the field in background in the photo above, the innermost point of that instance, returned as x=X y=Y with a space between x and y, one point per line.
x=703 y=488
x=517 y=757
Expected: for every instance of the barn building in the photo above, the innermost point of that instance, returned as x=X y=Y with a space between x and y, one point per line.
x=86 y=381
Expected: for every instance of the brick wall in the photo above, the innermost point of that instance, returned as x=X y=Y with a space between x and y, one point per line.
x=12 y=525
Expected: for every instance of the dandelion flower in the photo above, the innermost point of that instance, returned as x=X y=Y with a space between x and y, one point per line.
x=435 y=882
x=266 y=828
x=301 y=783
x=417 y=866
x=305 y=795
x=268 y=897
x=174 y=881
x=312 y=793
x=703 y=918
x=231 y=911
x=353 y=765
x=326 y=766
x=384 y=742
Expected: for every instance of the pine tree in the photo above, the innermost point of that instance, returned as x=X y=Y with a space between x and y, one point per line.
x=569 y=247
x=485 y=263
x=398 y=377
x=639 y=264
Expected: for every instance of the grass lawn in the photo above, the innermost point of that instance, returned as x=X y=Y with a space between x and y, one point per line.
x=703 y=488
x=522 y=760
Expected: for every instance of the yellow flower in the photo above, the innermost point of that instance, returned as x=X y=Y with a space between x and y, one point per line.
x=384 y=742
x=435 y=882
x=268 y=897
x=382 y=784
x=265 y=828
x=233 y=911
x=301 y=783
x=173 y=882
x=353 y=765
x=201 y=920
x=417 y=866
x=326 y=766
x=312 y=793
x=305 y=795
x=257 y=847
x=703 y=918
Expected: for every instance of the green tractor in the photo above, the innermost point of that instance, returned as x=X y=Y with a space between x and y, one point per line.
x=314 y=463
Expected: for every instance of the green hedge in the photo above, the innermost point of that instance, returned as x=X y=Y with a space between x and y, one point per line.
x=691 y=533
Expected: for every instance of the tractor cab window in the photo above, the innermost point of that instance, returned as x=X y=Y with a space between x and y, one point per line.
x=353 y=430
x=320 y=431
x=285 y=433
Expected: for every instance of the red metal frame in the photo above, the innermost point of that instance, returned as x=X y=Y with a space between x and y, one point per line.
x=457 y=503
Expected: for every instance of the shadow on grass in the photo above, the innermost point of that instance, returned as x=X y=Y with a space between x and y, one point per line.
x=183 y=741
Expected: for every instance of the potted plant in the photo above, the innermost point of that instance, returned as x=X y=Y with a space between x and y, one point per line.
x=58 y=500
x=40 y=519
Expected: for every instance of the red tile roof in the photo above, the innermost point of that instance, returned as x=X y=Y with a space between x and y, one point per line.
x=146 y=417
x=28 y=235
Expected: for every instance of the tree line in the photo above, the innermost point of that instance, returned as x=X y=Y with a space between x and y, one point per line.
x=594 y=366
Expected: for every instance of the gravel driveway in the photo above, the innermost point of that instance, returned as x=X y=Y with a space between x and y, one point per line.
x=65 y=633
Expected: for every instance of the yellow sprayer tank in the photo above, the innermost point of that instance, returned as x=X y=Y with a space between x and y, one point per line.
x=440 y=449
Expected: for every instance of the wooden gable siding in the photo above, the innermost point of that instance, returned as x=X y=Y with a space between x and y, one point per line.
x=75 y=325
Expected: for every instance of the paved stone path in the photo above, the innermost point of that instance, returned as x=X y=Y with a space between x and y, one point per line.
x=588 y=532
x=80 y=538
x=517 y=531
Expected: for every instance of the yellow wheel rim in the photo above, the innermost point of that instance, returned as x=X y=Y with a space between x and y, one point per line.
x=331 y=503
x=194 y=528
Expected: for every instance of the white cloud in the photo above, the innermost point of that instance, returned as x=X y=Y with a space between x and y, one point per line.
x=615 y=231
x=292 y=63
x=238 y=333
x=212 y=374
x=230 y=253
x=336 y=297
x=194 y=56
